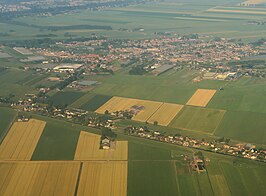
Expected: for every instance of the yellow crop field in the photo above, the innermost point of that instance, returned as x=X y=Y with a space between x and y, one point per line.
x=165 y=114
x=201 y=97
x=21 y=140
x=88 y=149
x=120 y=103
x=103 y=179
x=38 y=178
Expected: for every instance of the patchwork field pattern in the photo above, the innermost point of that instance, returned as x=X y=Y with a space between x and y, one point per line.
x=198 y=119
x=201 y=97
x=120 y=103
x=88 y=149
x=165 y=114
x=21 y=140
x=103 y=179
x=38 y=178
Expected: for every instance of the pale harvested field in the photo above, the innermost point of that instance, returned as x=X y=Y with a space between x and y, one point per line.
x=88 y=149
x=199 y=19
x=253 y=2
x=120 y=103
x=201 y=97
x=38 y=178
x=165 y=114
x=103 y=179
x=21 y=140
x=237 y=11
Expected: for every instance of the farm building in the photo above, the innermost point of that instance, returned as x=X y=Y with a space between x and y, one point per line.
x=162 y=69
x=105 y=144
x=66 y=67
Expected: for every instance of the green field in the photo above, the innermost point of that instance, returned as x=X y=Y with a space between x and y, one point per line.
x=182 y=17
x=65 y=98
x=225 y=175
x=240 y=96
x=198 y=119
x=172 y=86
x=244 y=126
x=246 y=94
x=151 y=178
x=95 y=102
x=6 y=118
x=11 y=82
x=58 y=140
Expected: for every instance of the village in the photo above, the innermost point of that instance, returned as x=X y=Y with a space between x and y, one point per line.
x=220 y=145
x=219 y=56
x=107 y=122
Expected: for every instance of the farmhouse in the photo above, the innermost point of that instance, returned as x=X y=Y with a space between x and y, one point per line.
x=105 y=143
x=198 y=164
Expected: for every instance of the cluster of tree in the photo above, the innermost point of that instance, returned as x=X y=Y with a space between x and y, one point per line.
x=191 y=36
x=46 y=35
x=137 y=70
x=101 y=70
x=106 y=132
x=75 y=76
x=47 y=42
x=223 y=140
x=259 y=42
x=7 y=99
x=71 y=27
x=247 y=63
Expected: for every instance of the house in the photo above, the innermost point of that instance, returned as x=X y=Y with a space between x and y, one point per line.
x=105 y=144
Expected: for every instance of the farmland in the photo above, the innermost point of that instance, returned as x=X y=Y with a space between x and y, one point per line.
x=161 y=125
x=245 y=126
x=146 y=158
x=21 y=140
x=58 y=141
x=158 y=178
x=94 y=102
x=246 y=94
x=120 y=103
x=88 y=148
x=11 y=82
x=38 y=178
x=201 y=97
x=165 y=114
x=170 y=87
x=224 y=177
x=103 y=178
x=65 y=98
x=198 y=119
x=184 y=18
x=6 y=117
